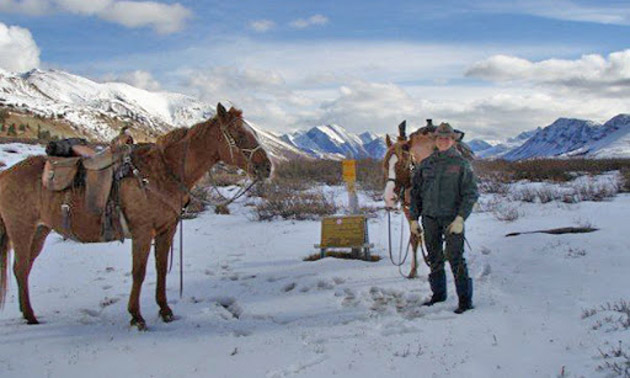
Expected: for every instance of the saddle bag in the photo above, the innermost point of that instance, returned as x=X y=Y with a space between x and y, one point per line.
x=59 y=173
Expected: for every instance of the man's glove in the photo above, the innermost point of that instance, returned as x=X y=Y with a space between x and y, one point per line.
x=415 y=228
x=457 y=226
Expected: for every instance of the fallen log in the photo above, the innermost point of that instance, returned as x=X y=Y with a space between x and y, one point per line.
x=557 y=231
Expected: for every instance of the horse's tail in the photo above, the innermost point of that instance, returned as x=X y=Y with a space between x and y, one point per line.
x=4 y=262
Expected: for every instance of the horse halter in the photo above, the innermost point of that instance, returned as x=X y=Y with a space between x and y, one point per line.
x=229 y=139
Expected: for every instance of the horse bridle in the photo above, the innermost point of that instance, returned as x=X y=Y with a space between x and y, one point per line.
x=231 y=142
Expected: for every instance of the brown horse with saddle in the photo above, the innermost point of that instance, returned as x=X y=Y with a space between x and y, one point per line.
x=126 y=191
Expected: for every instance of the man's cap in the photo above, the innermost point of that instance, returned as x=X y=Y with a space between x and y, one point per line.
x=444 y=130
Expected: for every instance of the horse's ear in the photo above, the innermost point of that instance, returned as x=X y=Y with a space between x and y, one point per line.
x=221 y=110
x=388 y=141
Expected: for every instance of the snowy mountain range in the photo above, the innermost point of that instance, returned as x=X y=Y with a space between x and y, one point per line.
x=335 y=142
x=98 y=110
x=568 y=137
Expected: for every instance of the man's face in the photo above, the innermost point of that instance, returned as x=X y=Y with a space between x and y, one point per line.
x=444 y=143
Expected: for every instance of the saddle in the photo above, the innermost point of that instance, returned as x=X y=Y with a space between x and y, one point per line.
x=99 y=174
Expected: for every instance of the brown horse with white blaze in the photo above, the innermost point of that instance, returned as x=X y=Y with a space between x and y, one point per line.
x=150 y=202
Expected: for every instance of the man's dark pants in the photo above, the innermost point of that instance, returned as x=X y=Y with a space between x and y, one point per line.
x=434 y=236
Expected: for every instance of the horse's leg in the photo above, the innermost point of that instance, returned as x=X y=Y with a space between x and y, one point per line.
x=163 y=244
x=37 y=244
x=414 y=247
x=22 y=241
x=141 y=247
x=414 y=257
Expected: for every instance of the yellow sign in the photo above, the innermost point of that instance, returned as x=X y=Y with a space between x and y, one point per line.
x=344 y=232
x=349 y=170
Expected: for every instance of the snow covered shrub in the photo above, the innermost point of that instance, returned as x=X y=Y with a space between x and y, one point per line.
x=525 y=194
x=547 y=194
x=616 y=361
x=506 y=212
x=492 y=185
x=625 y=178
x=278 y=201
x=593 y=190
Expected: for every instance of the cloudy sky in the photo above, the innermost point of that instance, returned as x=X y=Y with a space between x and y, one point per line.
x=493 y=68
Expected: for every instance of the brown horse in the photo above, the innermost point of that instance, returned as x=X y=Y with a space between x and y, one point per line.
x=398 y=164
x=150 y=202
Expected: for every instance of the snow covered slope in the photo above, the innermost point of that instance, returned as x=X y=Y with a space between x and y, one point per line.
x=251 y=307
x=93 y=108
x=89 y=105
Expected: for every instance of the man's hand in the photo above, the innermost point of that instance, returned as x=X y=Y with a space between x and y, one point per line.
x=457 y=226
x=415 y=228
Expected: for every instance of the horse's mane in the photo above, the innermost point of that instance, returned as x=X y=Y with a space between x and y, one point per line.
x=171 y=137
x=180 y=133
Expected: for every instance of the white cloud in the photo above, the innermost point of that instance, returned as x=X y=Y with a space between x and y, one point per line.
x=163 y=18
x=262 y=26
x=18 y=50
x=590 y=73
x=90 y=7
x=30 y=7
x=600 y=12
x=138 y=78
x=373 y=85
x=302 y=23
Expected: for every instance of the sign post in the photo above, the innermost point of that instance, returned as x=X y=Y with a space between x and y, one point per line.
x=350 y=177
x=347 y=231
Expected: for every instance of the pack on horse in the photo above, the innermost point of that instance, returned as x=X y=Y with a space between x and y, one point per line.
x=400 y=158
x=151 y=182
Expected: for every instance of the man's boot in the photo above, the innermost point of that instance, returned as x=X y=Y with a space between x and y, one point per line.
x=437 y=280
x=464 y=292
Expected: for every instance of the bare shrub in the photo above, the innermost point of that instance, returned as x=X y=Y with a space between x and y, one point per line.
x=616 y=361
x=538 y=170
x=615 y=316
x=313 y=171
x=279 y=201
x=370 y=176
x=492 y=185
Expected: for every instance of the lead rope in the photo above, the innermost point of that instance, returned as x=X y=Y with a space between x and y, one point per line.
x=181 y=225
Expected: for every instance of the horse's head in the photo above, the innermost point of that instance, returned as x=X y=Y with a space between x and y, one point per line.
x=397 y=169
x=242 y=147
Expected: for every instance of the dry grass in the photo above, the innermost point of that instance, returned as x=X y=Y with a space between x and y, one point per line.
x=557 y=170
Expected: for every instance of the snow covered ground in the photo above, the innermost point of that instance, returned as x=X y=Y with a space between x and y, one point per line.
x=252 y=308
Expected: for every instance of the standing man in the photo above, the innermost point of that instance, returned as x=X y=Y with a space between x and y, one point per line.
x=444 y=191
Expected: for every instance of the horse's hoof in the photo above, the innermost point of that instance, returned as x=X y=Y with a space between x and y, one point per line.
x=32 y=321
x=412 y=275
x=138 y=323
x=167 y=318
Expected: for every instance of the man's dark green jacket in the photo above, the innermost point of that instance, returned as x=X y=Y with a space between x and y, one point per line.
x=444 y=185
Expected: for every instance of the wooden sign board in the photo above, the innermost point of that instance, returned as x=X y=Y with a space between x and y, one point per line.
x=349 y=170
x=344 y=232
